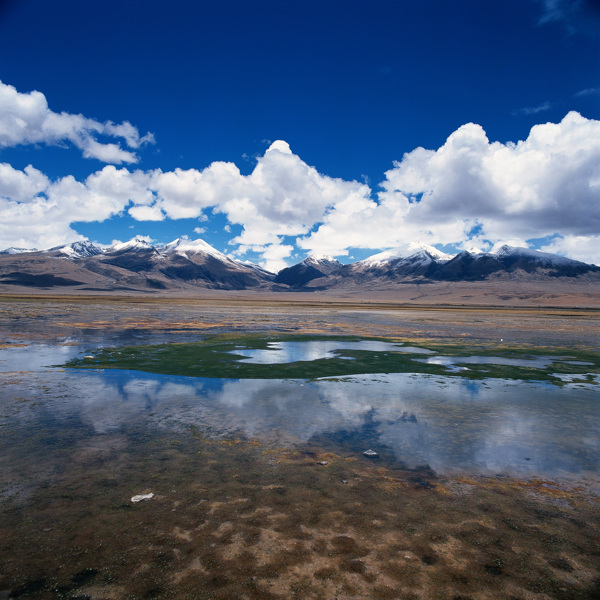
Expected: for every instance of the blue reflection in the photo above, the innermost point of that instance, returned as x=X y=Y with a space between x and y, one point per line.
x=452 y=424
x=449 y=423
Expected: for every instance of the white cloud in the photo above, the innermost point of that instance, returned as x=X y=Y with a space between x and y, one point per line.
x=469 y=192
x=274 y=255
x=283 y=196
x=146 y=213
x=588 y=92
x=547 y=184
x=21 y=186
x=37 y=212
x=554 y=10
x=533 y=110
x=579 y=247
x=27 y=119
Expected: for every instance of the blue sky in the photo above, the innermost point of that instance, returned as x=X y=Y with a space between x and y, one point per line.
x=273 y=129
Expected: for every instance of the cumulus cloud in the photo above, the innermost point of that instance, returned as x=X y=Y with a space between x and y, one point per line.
x=470 y=192
x=38 y=212
x=579 y=247
x=283 y=196
x=547 y=184
x=27 y=119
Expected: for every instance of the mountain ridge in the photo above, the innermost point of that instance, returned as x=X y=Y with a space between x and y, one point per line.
x=192 y=264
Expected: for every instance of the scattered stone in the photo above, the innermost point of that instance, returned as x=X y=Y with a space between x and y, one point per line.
x=344 y=481
x=141 y=497
x=370 y=453
x=323 y=462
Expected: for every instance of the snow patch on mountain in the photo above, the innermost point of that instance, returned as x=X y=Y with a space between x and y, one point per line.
x=322 y=262
x=417 y=252
x=83 y=249
x=543 y=257
x=136 y=243
x=184 y=246
x=13 y=250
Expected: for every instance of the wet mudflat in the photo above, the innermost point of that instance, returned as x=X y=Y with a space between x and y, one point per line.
x=484 y=488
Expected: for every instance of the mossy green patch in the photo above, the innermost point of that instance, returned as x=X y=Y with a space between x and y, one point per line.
x=216 y=357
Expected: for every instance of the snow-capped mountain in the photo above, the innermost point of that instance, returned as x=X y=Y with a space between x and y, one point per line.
x=311 y=268
x=83 y=249
x=138 y=265
x=508 y=253
x=186 y=247
x=323 y=263
x=414 y=254
x=183 y=261
x=13 y=250
x=511 y=261
x=136 y=243
x=409 y=261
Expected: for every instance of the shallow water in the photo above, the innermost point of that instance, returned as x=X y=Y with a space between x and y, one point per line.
x=289 y=352
x=536 y=362
x=448 y=424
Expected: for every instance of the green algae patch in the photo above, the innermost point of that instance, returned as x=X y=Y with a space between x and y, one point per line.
x=229 y=357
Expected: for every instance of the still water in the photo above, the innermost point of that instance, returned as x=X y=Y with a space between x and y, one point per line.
x=289 y=352
x=451 y=424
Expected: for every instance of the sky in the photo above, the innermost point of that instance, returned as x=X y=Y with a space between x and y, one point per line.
x=276 y=129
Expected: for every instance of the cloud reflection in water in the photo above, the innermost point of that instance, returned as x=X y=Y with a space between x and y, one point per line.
x=451 y=424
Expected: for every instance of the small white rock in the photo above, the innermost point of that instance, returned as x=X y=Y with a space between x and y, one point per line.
x=141 y=497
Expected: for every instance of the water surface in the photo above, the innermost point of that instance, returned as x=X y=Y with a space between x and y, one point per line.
x=448 y=423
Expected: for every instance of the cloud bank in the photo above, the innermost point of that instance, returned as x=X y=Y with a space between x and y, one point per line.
x=26 y=119
x=474 y=192
x=469 y=192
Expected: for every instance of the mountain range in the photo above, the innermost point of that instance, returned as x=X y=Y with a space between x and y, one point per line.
x=184 y=264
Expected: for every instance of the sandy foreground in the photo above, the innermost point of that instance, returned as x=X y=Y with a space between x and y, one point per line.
x=233 y=518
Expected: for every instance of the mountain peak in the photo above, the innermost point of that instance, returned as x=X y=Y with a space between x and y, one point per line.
x=418 y=250
x=322 y=262
x=320 y=258
x=13 y=250
x=81 y=249
x=136 y=243
x=185 y=246
x=507 y=251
